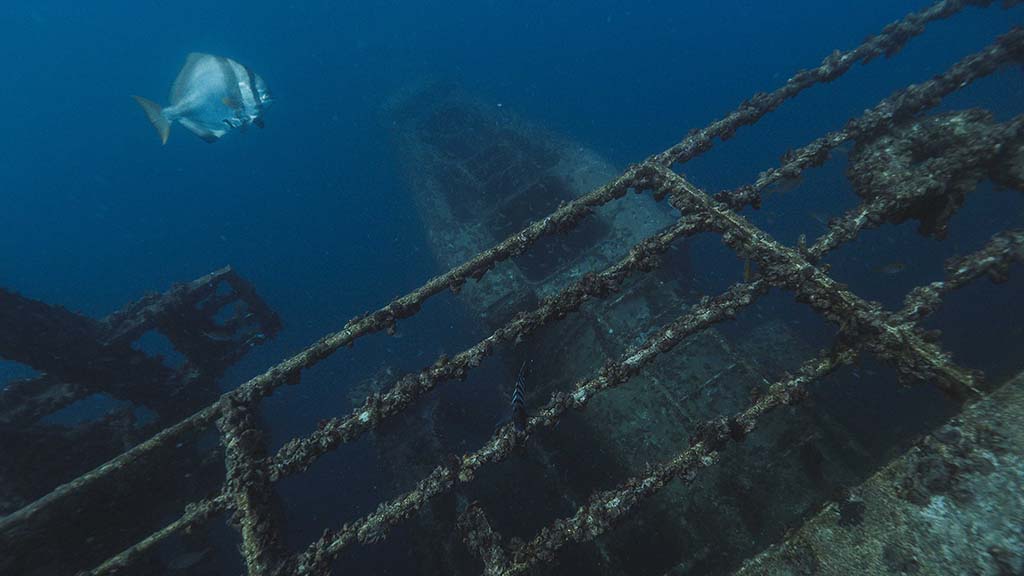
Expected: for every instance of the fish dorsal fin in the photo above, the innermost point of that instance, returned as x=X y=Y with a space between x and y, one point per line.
x=181 y=82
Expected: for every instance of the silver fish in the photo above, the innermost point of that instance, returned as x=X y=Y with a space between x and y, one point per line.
x=211 y=96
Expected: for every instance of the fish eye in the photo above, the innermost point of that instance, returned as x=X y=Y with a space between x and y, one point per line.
x=263 y=91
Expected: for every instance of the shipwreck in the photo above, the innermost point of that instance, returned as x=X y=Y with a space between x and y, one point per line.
x=656 y=429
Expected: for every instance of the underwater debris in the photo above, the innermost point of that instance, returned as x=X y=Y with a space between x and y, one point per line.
x=64 y=346
x=79 y=357
x=950 y=504
x=928 y=166
x=904 y=104
x=553 y=294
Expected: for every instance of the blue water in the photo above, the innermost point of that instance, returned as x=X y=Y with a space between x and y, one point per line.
x=95 y=212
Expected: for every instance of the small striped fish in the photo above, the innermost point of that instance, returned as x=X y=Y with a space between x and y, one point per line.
x=519 y=401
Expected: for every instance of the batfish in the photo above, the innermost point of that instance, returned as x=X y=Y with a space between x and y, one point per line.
x=211 y=96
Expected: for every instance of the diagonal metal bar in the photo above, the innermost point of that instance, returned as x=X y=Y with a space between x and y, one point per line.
x=900 y=105
x=300 y=453
x=196 y=514
x=993 y=260
x=873 y=213
x=604 y=508
x=995 y=257
x=905 y=102
x=888 y=42
x=289 y=370
x=317 y=557
x=858 y=319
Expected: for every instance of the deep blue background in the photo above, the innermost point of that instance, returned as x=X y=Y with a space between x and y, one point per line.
x=95 y=212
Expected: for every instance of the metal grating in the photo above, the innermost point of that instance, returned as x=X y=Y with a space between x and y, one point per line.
x=864 y=327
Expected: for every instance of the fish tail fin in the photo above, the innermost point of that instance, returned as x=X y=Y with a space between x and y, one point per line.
x=156 y=116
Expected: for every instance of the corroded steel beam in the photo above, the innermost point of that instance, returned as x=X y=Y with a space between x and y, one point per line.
x=71 y=351
x=317 y=557
x=993 y=260
x=247 y=482
x=81 y=356
x=604 y=508
x=859 y=321
x=888 y=42
x=298 y=454
x=482 y=540
x=899 y=106
x=933 y=190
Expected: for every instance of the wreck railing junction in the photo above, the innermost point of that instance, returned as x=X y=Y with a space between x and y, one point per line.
x=863 y=327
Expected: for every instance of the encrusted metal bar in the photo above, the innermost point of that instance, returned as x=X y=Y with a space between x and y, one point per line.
x=23 y=402
x=44 y=507
x=897 y=201
x=859 y=321
x=888 y=42
x=195 y=515
x=901 y=105
x=604 y=508
x=481 y=540
x=249 y=484
x=317 y=557
x=289 y=370
x=993 y=260
x=300 y=453
x=1003 y=249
